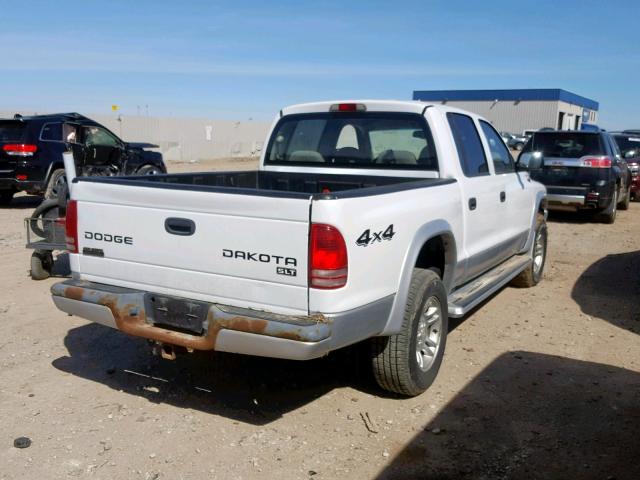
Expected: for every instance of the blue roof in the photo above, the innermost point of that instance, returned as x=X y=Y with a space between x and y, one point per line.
x=509 y=95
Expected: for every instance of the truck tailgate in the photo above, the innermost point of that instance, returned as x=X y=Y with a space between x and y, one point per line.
x=245 y=250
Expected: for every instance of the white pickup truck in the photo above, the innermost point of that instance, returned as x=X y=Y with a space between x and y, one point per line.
x=366 y=220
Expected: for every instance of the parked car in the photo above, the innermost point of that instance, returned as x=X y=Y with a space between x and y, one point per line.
x=581 y=170
x=629 y=145
x=513 y=141
x=364 y=221
x=31 y=153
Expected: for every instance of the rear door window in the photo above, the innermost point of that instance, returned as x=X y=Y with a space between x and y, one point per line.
x=502 y=159
x=12 y=131
x=468 y=144
x=52 y=132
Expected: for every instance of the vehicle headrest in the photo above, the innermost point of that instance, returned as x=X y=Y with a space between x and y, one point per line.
x=306 y=156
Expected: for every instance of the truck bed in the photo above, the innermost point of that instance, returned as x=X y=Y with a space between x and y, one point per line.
x=279 y=184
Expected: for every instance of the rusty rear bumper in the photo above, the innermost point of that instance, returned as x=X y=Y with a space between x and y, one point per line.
x=226 y=328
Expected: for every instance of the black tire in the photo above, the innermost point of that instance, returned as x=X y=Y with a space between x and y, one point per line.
x=395 y=358
x=608 y=215
x=44 y=210
x=624 y=205
x=149 y=170
x=519 y=145
x=56 y=184
x=41 y=264
x=6 y=196
x=532 y=275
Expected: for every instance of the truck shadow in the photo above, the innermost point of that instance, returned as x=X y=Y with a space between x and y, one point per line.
x=529 y=415
x=23 y=202
x=581 y=217
x=610 y=289
x=254 y=390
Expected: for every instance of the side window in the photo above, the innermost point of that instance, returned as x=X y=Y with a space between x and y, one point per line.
x=96 y=136
x=502 y=160
x=468 y=144
x=52 y=132
x=614 y=148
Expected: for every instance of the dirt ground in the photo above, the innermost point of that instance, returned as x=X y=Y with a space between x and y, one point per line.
x=536 y=383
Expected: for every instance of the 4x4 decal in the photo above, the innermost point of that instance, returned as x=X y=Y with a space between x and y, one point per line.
x=367 y=238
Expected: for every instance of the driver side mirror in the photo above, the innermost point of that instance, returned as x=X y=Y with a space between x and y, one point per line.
x=530 y=161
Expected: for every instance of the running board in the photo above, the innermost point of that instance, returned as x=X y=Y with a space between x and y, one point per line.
x=474 y=292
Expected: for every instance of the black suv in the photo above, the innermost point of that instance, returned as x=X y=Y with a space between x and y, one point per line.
x=31 y=151
x=581 y=170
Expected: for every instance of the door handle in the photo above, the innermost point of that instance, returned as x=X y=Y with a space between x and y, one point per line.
x=473 y=203
x=180 y=226
x=503 y=196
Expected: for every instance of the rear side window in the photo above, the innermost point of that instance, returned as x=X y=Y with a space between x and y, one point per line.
x=468 y=144
x=52 y=132
x=502 y=160
x=565 y=144
x=12 y=131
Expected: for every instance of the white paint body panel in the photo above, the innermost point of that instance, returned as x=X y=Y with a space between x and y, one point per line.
x=194 y=267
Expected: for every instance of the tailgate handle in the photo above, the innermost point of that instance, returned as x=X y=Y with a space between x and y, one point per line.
x=180 y=226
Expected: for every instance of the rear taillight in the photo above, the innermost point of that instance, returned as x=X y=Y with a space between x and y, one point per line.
x=71 y=226
x=20 y=149
x=328 y=265
x=596 y=162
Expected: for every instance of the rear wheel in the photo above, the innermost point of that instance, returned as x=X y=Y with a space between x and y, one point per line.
x=6 y=196
x=57 y=184
x=608 y=215
x=532 y=275
x=624 y=205
x=41 y=264
x=149 y=170
x=408 y=362
x=519 y=145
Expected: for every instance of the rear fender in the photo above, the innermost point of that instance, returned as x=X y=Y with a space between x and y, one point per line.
x=52 y=166
x=424 y=233
x=540 y=206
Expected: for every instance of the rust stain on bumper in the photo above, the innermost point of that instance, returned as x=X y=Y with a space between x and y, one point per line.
x=130 y=318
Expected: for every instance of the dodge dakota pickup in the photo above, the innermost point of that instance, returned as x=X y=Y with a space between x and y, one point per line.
x=366 y=220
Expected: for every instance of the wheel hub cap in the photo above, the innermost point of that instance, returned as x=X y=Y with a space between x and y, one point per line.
x=429 y=333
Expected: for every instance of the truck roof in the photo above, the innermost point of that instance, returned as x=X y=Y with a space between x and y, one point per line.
x=410 y=106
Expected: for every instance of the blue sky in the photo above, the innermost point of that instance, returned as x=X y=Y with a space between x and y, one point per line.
x=246 y=59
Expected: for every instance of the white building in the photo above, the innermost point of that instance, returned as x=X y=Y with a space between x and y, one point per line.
x=522 y=109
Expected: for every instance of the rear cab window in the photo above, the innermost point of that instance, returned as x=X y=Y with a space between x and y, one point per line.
x=374 y=140
x=470 y=150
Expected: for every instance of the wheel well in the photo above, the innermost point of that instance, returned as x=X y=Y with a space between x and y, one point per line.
x=150 y=164
x=52 y=168
x=433 y=255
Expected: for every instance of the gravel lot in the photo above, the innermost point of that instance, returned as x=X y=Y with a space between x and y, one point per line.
x=536 y=383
